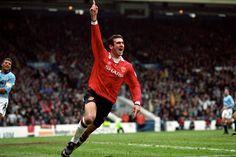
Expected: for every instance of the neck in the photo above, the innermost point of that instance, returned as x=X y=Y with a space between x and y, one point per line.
x=5 y=71
x=115 y=58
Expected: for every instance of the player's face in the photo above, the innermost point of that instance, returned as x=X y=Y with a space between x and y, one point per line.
x=226 y=92
x=118 y=47
x=6 y=65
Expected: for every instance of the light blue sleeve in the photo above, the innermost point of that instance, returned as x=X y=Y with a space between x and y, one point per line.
x=231 y=101
x=10 y=83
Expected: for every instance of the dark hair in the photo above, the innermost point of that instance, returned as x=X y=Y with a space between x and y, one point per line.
x=227 y=88
x=110 y=40
x=8 y=59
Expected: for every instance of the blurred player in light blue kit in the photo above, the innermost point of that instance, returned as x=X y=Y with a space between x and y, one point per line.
x=7 y=81
x=227 y=110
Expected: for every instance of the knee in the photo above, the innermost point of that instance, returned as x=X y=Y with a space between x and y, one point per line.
x=89 y=118
x=1 y=116
x=234 y=116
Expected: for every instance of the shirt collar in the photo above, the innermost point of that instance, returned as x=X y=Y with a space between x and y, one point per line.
x=116 y=60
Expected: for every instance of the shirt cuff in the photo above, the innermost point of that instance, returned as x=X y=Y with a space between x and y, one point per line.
x=137 y=103
x=94 y=22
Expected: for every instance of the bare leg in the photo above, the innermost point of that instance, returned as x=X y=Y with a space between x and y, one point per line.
x=89 y=117
x=85 y=128
x=1 y=119
x=91 y=128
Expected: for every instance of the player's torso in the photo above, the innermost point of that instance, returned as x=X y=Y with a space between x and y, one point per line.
x=111 y=72
x=227 y=100
x=3 y=79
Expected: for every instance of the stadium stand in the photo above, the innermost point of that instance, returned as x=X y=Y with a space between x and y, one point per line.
x=182 y=64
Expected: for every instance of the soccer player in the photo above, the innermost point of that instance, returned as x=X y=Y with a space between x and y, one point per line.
x=7 y=81
x=109 y=72
x=228 y=105
x=234 y=118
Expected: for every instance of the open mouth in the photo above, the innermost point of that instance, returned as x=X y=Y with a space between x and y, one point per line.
x=6 y=67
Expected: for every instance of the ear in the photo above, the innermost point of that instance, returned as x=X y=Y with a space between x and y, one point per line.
x=110 y=47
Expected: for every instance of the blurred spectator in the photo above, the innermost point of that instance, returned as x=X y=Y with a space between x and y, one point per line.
x=191 y=125
x=181 y=123
x=181 y=74
x=218 y=123
x=125 y=117
x=140 y=120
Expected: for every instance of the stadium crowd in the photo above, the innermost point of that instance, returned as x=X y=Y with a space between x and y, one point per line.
x=182 y=64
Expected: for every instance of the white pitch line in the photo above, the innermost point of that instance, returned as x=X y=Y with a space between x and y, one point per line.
x=170 y=146
x=183 y=147
x=211 y=156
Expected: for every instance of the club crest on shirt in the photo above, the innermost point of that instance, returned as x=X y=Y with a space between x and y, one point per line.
x=3 y=81
x=123 y=69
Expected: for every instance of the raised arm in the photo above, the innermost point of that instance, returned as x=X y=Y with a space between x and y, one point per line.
x=96 y=38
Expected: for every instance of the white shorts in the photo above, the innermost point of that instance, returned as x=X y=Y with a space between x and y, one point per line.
x=3 y=106
x=227 y=114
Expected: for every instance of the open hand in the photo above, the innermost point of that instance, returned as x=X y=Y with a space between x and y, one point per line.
x=136 y=110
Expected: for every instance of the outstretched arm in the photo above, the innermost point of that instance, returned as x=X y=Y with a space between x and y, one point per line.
x=96 y=39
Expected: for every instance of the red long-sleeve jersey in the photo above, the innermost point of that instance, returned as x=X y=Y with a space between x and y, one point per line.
x=107 y=76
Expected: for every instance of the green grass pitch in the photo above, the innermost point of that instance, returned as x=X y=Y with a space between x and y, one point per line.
x=149 y=144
